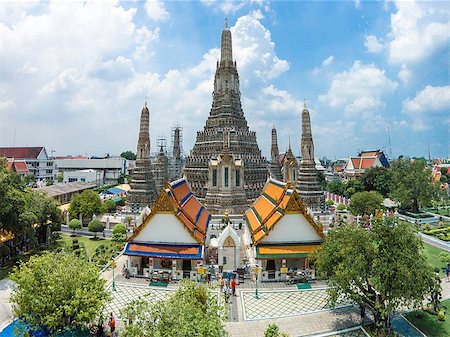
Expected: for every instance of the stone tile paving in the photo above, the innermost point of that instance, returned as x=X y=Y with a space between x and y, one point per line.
x=311 y=324
x=125 y=293
x=283 y=303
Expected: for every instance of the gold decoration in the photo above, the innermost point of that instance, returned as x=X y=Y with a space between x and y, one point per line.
x=163 y=203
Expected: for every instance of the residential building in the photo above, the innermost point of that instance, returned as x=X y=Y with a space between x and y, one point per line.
x=356 y=166
x=37 y=161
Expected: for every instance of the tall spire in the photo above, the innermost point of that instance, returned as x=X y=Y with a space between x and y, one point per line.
x=226 y=45
x=143 y=146
x=307 y=144
x=274 y=149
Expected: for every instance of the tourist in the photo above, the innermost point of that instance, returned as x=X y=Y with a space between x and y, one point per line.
x=233 y=286
x=447 y=272
x=221 y=283
x=112 y=325
x=227 y=293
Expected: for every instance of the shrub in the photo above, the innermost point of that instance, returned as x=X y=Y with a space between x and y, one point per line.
x=95 y=226
x=74 y=224
x=110 y=205
x=119 y=231
x=441 y=315
x=341 y=207
x=330 y=203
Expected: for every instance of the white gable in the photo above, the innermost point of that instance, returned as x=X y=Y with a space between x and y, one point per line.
x=292 y=228
x=165 y=228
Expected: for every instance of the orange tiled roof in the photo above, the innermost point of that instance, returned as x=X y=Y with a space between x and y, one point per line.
x=5 y=235
x=362 y=162
x=275 y=200
x=178 y=199
x=18 y=166
x=188 y=209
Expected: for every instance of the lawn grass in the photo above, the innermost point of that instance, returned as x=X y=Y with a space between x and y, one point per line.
x=89 y=244
x=432 y=255
x=429 y=324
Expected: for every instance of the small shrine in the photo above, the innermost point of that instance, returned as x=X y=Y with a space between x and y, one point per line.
x=171 y=239
x=282 y=232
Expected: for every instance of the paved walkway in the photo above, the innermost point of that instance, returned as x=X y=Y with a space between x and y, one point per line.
x=301 y=325
x=6 y=313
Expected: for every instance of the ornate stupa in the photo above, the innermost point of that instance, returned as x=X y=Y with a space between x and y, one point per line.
x=226 y=120
x=274 y=166
x=142 y=191
x=308 y=183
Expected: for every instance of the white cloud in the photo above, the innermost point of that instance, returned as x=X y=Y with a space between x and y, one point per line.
x=359 y=89
x=7 y=105
x=357 y=3
x=431 y=105
x=372 y=44
x=418 y=29
x=329 y=60
x=429 y=99
x=156 y=10
x=232 y=6
x=254 y=49
x=405 y=74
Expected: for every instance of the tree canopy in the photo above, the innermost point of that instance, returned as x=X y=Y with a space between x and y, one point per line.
x=365 y=203
x=191 y=311
x=96 y=226
x=119 y=231
x=412 y=184
x=128 y=155
x=86 y=203
x=56 y=290
x=74 y=224
x=377 y=179
x=382 y=269
x=27 y=214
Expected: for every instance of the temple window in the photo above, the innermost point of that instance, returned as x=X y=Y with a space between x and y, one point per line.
x=214 y=177
x=238 y=178
x=226 y=177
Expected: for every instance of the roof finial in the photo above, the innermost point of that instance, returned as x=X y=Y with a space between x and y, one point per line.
x=304 y=103
x=226 y=23
x=289 y=142
x=145 y=101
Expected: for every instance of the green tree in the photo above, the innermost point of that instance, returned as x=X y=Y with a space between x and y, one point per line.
x=87 y=204
x=95 y=226
x=29 y=180
x=413 y=185
x=110 y=205
x=274 y=331
x=352 y=187
x=128 y=155
x=59 y=177
x=336 y=187
x=377 y=179
x=58 y=290
x=119 y=231
x=443 y=179
x=444 y=170
x=191 y=311
x=74 y=224
x=330 y=203
x=383 y=269
x=365 y=203
x=341 y=207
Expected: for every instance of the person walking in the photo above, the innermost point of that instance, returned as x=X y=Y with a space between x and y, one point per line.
x=233 y=286
x=112 y=325
x=221 y=283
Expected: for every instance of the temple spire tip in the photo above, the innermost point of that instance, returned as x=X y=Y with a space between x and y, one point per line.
x=226 y=23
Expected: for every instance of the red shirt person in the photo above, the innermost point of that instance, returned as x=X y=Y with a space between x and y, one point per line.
x=233 y=286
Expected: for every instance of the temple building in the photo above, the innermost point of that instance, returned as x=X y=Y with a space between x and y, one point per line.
x=308 y=183
x=282 y=231
x=142 y=191
x=160 y=167
x=289 y=166
x=274 y=166
x=171 y=239
x=226 y=120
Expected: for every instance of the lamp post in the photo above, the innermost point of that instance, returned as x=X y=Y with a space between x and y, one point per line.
x=113 y=265
x=256 y=289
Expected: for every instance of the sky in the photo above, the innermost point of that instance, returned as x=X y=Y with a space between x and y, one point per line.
x=74 y=76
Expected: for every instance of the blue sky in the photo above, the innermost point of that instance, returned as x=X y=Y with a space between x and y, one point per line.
x=74 y=75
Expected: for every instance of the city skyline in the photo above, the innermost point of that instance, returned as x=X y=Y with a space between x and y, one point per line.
x=75 y=75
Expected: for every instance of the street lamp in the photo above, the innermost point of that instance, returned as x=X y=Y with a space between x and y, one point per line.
x=256 y=289
x=113 y=265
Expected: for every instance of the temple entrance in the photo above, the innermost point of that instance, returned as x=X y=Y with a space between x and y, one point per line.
x=186 y=268
x=229 y=249
x=271 y=269
x=229 y=254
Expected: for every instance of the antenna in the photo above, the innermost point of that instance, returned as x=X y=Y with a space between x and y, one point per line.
x=429 y=152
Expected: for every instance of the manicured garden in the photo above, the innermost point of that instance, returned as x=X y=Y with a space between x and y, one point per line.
x=429 y=324
x=432 y=255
